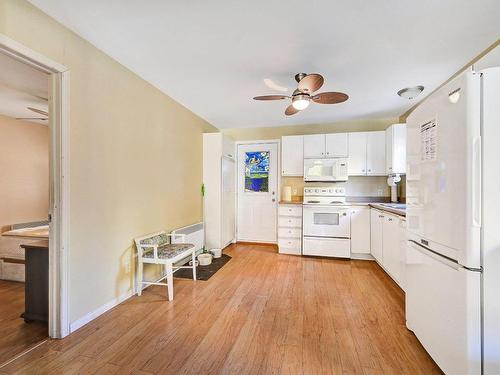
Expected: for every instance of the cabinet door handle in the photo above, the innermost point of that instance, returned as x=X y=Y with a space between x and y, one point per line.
x=381 y=216
x=390 y=219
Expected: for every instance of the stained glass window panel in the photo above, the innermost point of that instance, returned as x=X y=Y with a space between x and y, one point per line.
x=257 y=171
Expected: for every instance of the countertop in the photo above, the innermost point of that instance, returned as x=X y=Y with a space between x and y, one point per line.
x=392 y=210
x=298 y=202
x=35 y=232
x=375 y=202
x=41 y=244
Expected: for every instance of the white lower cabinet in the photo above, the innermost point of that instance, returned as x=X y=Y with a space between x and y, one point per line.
x=290 y=229
x=360 y=230
x=388 y=243
x=390 y=248
x=376 y=226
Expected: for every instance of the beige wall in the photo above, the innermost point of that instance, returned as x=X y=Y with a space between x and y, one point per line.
x=136 y=158
x=24 y=171
x=246 y=134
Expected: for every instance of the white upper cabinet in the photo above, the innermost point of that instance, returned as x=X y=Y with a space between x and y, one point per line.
x=292 y=155
x=367 y=154
x=396 y=149
x=375 y=154
x=314 y=146
x=337 y=145
x=326 y=145
x=357 y=154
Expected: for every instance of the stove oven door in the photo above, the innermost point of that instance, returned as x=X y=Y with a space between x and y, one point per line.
x=326 y=221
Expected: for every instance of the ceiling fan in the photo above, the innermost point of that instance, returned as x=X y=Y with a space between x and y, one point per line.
x=39 y=111
x=302 y=96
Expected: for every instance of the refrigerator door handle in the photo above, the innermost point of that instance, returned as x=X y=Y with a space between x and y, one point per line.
x=440 y=258
x=476 y=181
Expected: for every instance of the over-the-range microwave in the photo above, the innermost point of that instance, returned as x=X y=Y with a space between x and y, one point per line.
x=333 y=169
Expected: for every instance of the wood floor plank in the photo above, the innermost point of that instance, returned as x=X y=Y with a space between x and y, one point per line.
x=262 y=313
x=16 y=336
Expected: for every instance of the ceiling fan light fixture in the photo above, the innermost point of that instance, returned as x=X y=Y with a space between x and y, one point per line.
x=300 y=102
x=410 y=92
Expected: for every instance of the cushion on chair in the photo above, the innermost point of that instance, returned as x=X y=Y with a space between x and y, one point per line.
x=167 y=251
x=159 y=239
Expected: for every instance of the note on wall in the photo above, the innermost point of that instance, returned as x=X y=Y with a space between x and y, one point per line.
x=428 y=141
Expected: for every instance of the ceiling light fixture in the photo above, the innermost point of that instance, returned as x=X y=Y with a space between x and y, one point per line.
x=300 y=102
x=410 y=92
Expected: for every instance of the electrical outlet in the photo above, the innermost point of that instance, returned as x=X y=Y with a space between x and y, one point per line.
x=294 y=191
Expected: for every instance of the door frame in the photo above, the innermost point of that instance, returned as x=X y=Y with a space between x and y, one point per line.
x=278 y=177
x=59 y=169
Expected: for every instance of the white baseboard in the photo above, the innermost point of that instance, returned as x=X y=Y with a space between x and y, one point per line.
x=79 y=323
x=359 y=256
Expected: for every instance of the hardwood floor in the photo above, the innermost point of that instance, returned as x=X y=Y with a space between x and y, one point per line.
x=262 y=313
x=16 y=336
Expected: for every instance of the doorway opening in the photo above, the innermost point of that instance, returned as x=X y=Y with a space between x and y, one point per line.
x=34 y=213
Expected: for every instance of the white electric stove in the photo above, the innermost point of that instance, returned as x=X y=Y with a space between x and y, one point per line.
x=326 y=222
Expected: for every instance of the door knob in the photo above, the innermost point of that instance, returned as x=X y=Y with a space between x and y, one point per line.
x=274 y=200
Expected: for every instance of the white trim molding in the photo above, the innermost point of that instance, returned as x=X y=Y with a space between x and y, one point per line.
x=58 y=180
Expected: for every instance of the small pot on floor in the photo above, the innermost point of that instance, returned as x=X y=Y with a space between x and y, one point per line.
x=217 y=253
x=205 y=259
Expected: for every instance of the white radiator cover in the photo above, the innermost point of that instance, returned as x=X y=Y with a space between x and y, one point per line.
x=195 y=234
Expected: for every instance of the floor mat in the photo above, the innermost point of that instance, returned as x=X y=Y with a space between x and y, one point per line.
x=204 y=272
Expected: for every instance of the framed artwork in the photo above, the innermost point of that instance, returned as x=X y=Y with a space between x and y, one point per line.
x=257 y=171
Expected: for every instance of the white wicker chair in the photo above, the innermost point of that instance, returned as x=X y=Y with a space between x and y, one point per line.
x=155 y=248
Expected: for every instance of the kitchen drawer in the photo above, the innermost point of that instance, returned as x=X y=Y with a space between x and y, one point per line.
x=289 y=232
x=327 y=247
x=290 y=245
x=289 y=210
x=289 y=222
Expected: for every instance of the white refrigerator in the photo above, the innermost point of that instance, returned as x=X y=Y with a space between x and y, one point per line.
x=453 y=223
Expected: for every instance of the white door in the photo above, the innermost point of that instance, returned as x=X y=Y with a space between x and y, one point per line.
x=257 y=192
x=314 y=146
x=376 y=220
x=356 y=163
x=360 y=230
x=337 y=145
x=444 y=165
x=326 y=221
x=292 y=155
x=443 y=309
x=375 y=153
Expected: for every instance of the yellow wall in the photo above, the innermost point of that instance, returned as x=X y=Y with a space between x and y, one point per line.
x=246 y=134
x=136 y=157
x=24 y=171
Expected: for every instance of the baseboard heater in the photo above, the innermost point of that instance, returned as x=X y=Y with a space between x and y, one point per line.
x=195 y=234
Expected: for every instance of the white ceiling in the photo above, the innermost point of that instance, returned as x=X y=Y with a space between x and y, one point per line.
x=22 y=86
x=213 y=56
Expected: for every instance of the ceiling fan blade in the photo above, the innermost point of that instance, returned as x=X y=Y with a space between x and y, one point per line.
x=271 y=97
x=311 y=83
x=32 y=118
x=39 y=111
x=330 y=97
x=290 y=110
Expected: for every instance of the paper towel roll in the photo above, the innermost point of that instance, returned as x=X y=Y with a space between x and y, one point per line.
x=287 y=193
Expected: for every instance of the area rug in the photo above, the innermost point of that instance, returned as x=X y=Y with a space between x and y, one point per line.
x=204 y=272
